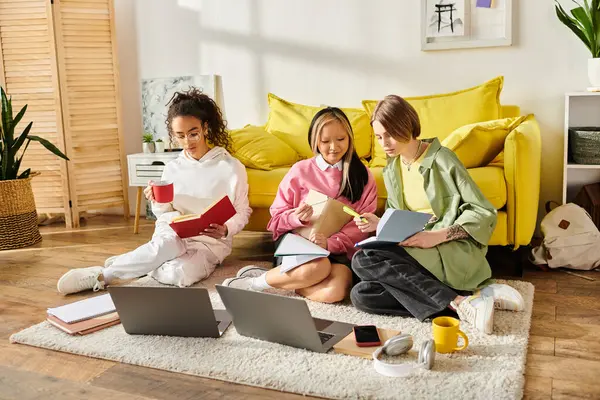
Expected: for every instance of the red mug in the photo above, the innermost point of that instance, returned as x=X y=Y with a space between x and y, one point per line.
x=162 y=191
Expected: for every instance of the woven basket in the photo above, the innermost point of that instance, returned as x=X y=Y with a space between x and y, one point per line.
x=585 y=145
x=18 y=216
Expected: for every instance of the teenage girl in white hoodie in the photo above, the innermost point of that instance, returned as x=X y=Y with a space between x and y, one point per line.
x=200 y=175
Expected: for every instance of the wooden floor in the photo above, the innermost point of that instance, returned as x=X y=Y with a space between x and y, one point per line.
x=563 y=360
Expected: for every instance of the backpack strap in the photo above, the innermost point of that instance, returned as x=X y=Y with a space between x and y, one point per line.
x=549 y=205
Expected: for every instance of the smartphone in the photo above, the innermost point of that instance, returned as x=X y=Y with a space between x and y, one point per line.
x=366 y=336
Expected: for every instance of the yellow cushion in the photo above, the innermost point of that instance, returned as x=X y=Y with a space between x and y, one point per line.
x=441 y=114
x=492 y=183
x=257 y=148
x=290 y=122
x=263 y=186
x=500 y=234
x=477 y=144
x=490 y=180
x=381 y=190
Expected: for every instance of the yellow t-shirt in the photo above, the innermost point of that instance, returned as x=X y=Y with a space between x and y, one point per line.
x=415 y=197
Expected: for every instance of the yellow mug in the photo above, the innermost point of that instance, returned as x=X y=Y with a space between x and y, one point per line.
x=446 y=333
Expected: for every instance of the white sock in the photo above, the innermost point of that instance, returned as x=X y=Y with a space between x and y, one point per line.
x=260 y=282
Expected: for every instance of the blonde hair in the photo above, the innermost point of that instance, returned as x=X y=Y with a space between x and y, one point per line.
x=322 y=118
x=398 y=117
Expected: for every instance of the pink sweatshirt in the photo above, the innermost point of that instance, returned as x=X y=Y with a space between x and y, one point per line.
x=294 y=187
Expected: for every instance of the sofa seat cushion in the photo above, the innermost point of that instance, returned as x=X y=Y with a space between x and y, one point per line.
x=263 y=186
x=489 y=179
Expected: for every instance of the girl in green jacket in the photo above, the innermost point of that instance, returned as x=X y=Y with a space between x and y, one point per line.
x=435 y=271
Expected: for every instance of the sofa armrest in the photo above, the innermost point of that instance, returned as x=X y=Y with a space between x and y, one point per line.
x=522 y=170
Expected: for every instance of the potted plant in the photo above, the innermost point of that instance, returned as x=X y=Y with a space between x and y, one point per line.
x=148 y=143
x=159 y=146
x=584 y=21
x=18 y=216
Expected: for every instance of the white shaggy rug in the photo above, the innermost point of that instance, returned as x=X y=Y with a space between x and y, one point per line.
x=491 y=368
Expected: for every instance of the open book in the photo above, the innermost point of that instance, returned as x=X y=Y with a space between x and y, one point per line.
x=396 y=226
x=295 y=250
x=328 y=215
x=193 y=224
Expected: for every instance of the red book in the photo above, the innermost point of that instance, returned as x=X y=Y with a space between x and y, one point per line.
x=192 y=225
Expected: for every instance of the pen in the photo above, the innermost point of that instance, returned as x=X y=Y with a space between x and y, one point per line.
x=350 y=211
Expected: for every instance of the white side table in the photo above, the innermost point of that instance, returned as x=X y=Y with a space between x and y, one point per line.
x=143 y=167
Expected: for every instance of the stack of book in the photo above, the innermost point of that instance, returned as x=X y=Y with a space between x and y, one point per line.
x=84 y=316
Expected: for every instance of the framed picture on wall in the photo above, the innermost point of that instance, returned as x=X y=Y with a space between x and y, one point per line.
x=460 y=24
x=157 y=92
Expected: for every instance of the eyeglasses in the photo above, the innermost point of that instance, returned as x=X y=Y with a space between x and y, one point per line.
x=191 y=137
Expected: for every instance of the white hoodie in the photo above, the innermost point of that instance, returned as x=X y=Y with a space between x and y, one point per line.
x=196 y=185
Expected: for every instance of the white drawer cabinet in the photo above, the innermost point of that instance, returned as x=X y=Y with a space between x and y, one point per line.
x=143 y=167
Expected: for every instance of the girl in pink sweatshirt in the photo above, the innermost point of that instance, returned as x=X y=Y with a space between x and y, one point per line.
x=337 y=172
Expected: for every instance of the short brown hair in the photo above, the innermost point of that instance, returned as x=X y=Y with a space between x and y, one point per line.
x=398 y=117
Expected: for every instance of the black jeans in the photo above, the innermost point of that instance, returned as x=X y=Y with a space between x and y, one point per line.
x=392 y=282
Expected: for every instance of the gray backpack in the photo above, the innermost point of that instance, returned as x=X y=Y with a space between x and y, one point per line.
x=571 y=239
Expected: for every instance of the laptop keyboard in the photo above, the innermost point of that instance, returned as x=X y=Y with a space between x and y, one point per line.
x=324 y=336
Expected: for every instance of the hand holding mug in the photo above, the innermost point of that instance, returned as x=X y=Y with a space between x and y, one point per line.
x=161 y=191
x=148 y=192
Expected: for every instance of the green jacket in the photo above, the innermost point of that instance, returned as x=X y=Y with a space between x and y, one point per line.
x=455 y=199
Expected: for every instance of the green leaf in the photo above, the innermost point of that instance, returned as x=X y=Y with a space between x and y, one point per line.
x=48 y=146
x=21 y=139
x=25 y=174
x=6 y=140
x=572 y=24
x=584 y=22
x=19 y=116
x=7 y=118
x=15 y=170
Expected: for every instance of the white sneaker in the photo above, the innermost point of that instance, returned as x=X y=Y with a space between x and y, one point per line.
x=109 y=261
x=477 y=311
x=251 y=271
x=80 y=279
x=505 y=297
x=239 y=283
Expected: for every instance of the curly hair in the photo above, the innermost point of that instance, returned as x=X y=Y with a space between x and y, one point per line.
x=194 y=103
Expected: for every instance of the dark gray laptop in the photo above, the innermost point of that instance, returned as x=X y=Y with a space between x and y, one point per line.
x=169 y=311
x=280 y=319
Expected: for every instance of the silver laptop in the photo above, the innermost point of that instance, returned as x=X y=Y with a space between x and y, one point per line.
x=280 y=319
x=169 y=311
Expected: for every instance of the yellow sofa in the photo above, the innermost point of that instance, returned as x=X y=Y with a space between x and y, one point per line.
x=511 y=181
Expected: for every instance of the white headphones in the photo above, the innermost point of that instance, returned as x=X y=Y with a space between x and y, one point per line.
x=401 y=344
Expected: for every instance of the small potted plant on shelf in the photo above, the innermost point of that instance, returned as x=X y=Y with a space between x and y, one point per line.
x=148 y=143
x=584 y=21
x=159 y=146
x=18 y=215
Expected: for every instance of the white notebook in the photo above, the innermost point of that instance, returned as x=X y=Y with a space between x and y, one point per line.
x=84 y=309
x=295 y=250
x=290 y=262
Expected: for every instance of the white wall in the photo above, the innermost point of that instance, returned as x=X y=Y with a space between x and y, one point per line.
x=339 y=52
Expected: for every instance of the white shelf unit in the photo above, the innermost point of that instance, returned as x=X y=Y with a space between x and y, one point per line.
x=581 y=109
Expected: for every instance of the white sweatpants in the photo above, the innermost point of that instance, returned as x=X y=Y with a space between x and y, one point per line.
x=167 y=258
